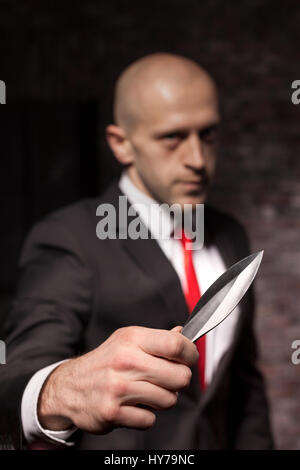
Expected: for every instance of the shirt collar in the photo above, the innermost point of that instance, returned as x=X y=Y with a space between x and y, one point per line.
x=155 y=216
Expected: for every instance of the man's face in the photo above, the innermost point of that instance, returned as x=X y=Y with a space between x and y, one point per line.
x=174 y=143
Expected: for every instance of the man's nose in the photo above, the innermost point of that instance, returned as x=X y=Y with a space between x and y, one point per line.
x=195 y=156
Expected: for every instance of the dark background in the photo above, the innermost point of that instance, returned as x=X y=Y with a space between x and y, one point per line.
x=59 y=62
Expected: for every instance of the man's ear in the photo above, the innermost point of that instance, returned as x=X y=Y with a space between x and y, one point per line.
x=119 y=144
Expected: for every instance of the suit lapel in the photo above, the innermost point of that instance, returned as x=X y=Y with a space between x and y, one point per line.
x=218 y=234
x=149 y=256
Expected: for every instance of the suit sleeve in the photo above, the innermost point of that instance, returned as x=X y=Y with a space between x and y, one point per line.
x=51 y=308
x=252 y=429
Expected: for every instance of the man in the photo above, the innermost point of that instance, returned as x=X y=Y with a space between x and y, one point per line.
x=95 y=354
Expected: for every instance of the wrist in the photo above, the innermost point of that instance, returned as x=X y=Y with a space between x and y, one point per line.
x=52 y=411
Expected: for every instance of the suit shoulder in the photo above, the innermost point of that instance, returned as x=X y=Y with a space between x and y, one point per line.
x=221 y=217
x=222 y=223
x=70 y=228
x=80 y=214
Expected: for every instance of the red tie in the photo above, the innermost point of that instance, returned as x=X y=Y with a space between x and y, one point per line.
x=192 y=296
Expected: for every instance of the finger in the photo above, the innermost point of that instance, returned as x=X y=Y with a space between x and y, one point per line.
x=135 y=418
x=169 y=345
x=145 y=393
x=137 y=365
x=164 y=373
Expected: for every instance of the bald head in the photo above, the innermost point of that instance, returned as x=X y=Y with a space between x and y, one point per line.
x=153 y=81
x=166 y=126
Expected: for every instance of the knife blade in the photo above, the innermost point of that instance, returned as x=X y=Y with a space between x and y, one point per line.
x=220 y=299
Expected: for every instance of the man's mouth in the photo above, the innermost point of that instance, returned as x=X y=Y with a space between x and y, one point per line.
x=194 y=184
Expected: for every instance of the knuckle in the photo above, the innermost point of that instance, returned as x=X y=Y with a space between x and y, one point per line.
x=124 y=361
x=117 y=387
x=148 y=421
x=196 y=354
x=186 y=377
x=176 y=345
x=120 y=333
x=192 y=356
x=128 y=333
x=172 y=400
x=111 y=413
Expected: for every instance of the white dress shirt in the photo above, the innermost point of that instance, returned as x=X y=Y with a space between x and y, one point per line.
x=208 y=266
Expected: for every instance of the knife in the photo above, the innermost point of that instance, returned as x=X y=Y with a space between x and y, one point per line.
x=220 y=299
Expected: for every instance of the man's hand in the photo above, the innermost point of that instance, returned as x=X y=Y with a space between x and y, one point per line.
x=120 y=383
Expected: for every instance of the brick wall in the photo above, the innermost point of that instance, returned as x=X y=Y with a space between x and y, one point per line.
x=252 y=48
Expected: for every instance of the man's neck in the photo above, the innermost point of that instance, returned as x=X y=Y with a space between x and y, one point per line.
x=132 y=174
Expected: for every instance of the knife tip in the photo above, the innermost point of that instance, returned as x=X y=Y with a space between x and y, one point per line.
x=259 y=255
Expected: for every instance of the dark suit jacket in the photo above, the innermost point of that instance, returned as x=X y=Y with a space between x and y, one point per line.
x=74 y=290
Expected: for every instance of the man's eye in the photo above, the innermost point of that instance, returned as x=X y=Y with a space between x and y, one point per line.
x=174 y=136
x=209 y=135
